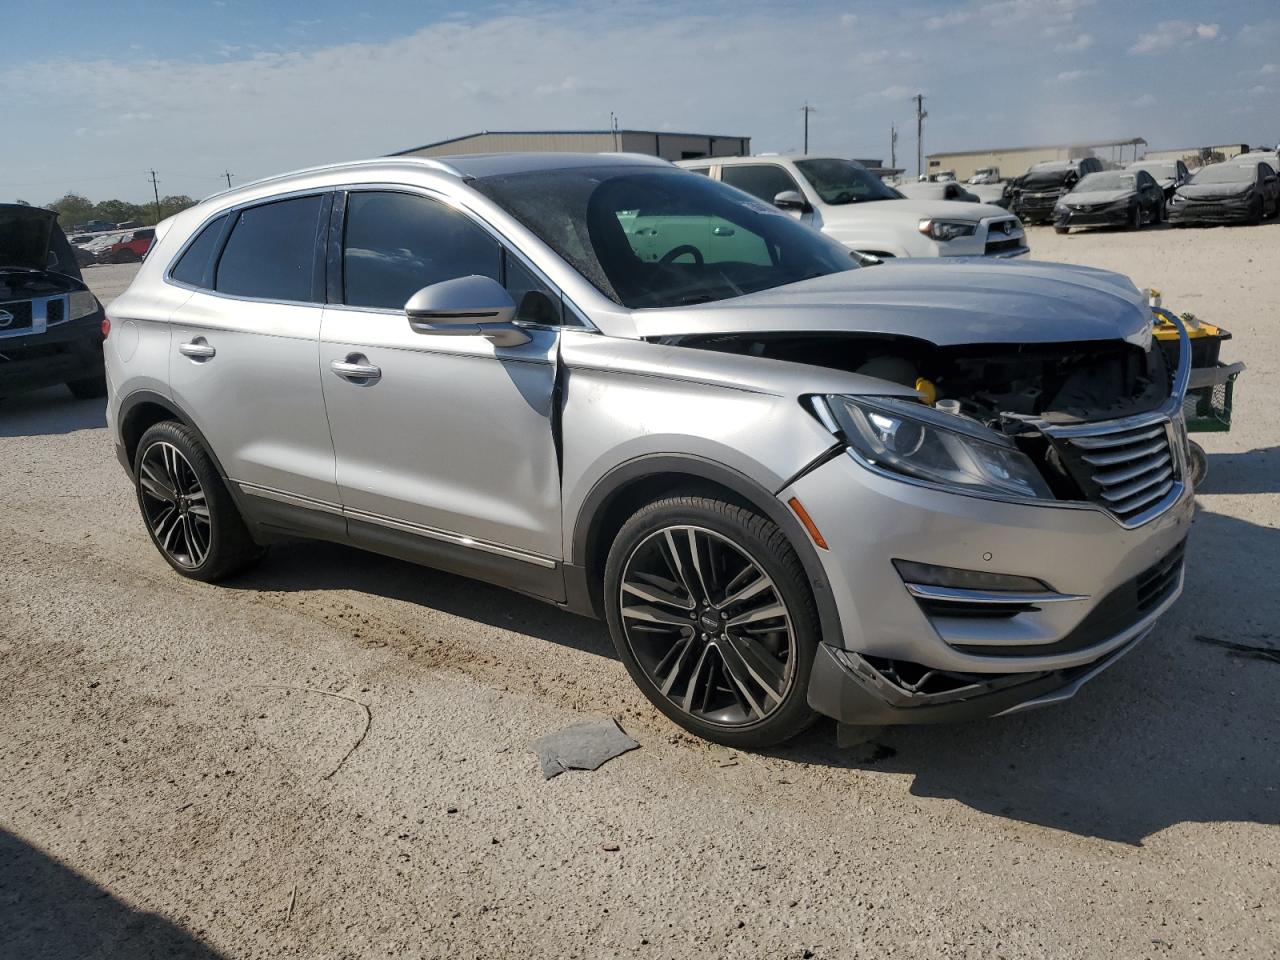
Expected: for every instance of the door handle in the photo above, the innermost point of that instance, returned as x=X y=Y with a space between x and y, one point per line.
x=356 y=368
x=197 y=349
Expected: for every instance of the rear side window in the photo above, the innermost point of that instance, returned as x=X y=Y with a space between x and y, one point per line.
x=271 y=253
x=397 y=243
x=196 y=265
x=763 y=182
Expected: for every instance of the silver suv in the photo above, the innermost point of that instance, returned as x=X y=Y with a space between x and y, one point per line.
x=911 y=492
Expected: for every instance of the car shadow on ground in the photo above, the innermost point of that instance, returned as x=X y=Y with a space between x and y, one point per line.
x=1255 y=471
x=50 y=912
x=50 y=411
x=1181 y=730
x=312 y=565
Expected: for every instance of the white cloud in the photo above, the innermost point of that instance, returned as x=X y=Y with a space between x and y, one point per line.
x=1174 y=33
x=1066 y=76
x=1269 y=69
x=848 y=19
x=952 y=19
x=1146 y=100
x=1082 y=42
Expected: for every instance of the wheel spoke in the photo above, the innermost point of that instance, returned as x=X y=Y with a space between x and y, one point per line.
x=655 y=594
x=654 y=615
x=758 y=663
x=753 y=588
x=693 y=687
x=739 y=674
x=668 y=669
x=697 y=565
x=675 y=564
x=760 y=613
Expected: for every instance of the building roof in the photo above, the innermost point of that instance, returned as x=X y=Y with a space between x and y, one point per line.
x=1135 y=141
x=561 y=133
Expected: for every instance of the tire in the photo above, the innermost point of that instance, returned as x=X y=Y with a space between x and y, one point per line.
x=88 y=388
x=198 y=531
x=1157 y=215
x=1255 y=213
x=1135 y=219
x=714 y=689
x=1061 y=229
x=1199 y=464
x=126 y=256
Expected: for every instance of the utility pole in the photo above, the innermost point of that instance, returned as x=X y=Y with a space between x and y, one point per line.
x=613 y=128
x=920 y=115
x=227 y=174
x=806 y=110
x=156 y=190
x=893 y=147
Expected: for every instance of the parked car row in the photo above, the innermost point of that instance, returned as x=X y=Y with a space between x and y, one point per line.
x=128 y=246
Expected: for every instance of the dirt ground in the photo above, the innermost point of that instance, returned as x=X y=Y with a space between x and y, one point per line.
x=175 y=784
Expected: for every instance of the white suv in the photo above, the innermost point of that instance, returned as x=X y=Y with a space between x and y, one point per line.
x=844 y=199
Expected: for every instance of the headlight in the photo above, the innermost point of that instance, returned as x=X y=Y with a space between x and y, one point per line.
x=924 y=444
x=83 y=303
x=1177 y=198
x=945 y=230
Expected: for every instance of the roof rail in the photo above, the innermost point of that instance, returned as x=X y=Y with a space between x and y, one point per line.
x=430 y=162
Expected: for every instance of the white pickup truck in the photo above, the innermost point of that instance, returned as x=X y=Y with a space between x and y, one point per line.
x=846 y=201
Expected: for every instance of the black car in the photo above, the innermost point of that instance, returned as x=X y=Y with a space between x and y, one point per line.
x=1229 y=192
x=1170 y=174
x=50 y=324
x=1038 y=191
x=1113 y=198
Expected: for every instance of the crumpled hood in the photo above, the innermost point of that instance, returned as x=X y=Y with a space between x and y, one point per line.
x=24 y=236
x=1091 y=197
x=893 y=210
x=1214 y=191
x=946 y=302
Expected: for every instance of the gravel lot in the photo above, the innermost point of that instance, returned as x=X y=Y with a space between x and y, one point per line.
x=175 y=784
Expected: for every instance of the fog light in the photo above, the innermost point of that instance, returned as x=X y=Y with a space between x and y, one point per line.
x=957 y=579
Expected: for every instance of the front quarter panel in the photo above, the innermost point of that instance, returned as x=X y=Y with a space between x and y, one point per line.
x=627 y=399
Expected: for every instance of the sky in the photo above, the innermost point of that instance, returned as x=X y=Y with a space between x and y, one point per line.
x=95 y=95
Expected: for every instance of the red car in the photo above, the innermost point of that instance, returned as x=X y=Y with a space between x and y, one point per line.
x=131 y=249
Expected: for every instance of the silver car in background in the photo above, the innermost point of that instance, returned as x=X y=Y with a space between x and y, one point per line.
x=912 y=492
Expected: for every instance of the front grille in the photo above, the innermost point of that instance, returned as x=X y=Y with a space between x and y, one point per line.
x=1004 y=244
x=1127 y=471
x=1155 y=584
x=55 y=311
x=19 y=316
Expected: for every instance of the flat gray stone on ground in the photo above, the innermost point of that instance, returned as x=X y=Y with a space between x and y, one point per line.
x=582 y=746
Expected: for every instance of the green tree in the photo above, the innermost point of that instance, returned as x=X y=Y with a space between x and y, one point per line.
x=72 y=209
x=118 y=211
x=174 y=204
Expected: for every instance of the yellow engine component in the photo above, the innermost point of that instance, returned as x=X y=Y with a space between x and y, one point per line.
x=928 y=392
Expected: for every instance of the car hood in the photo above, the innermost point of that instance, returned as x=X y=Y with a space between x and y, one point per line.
x=1097 y=196
x=944 y=302
x=1210 y=191
x=896 y=210
x=25 y=233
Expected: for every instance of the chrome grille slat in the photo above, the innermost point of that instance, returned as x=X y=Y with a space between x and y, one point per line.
x=1118 y=439
x=1127 y=490
x=1125 y=467
x=1124 y=456
x=1145 y=465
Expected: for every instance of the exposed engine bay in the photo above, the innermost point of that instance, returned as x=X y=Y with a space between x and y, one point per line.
x=996 y=384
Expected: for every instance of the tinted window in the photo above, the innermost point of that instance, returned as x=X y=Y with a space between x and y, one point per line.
x=535 y=301
x=764 y=180
x=397 y=243
x=272 y=251
x=196 y=265
x=711 y=241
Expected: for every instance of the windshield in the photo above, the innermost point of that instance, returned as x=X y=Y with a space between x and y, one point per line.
x=664 y=238
x=1107 y=181
x=1225 y=173
x=842 y=181
x=1165 y=171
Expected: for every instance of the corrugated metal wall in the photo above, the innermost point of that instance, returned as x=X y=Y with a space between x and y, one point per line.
x=671 y=146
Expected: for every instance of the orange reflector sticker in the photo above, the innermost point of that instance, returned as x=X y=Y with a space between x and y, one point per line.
x=798 y=509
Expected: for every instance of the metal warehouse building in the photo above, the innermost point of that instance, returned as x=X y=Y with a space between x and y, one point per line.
x=1015 y=161
x=669 y=146
x=1194 y=156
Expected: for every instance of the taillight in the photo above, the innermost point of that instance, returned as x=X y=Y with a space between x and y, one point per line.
x=106 y=326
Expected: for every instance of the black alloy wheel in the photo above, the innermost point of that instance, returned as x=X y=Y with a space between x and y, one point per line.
x=711 y=613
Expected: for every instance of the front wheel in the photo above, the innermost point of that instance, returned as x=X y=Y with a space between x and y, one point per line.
x=1061 y=229
x=711 y=612
x=190 y=516
x=1135 y=218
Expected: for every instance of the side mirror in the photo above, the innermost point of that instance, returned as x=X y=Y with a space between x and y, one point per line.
x=791 y=200
x=466 y=307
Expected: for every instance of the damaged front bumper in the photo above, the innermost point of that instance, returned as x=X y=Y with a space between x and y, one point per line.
x=1226 y=210
x=1109 y=216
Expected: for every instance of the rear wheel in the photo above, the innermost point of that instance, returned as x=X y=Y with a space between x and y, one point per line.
x=190 y=516
x=710 y=610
